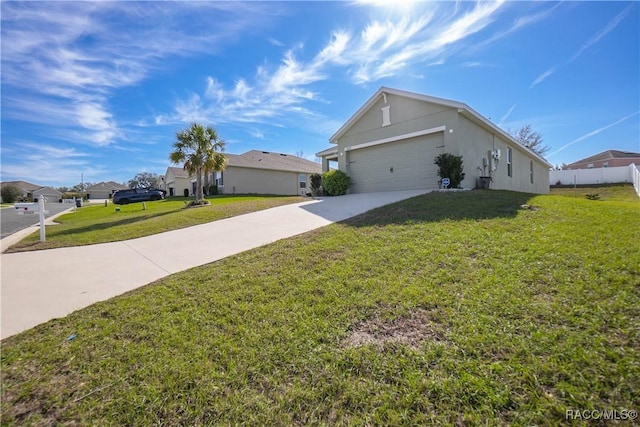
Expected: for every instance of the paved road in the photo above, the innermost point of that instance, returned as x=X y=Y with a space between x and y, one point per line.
x=11 y=222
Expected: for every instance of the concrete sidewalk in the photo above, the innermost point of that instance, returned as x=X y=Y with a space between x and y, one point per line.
x=43 y=285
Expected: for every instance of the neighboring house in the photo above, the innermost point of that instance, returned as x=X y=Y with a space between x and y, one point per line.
x=391 y=142
x=26 y=188
x=254 y=172
x=264 y=172
x=51 y=195
x=33 y=191
x=606 y=159
x=176 y=181
x=103 y=190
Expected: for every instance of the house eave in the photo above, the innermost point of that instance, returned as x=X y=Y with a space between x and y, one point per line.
x=479 y=119
x=328 y=152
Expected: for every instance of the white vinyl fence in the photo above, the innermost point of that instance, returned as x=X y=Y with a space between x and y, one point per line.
x=635 y=172
x=597 y=176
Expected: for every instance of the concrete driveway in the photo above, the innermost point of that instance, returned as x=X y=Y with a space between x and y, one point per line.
x=43 y=285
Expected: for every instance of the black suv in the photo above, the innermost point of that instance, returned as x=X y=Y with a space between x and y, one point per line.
x=122 y=197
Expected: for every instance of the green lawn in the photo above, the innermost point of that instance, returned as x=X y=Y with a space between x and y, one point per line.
x=449 y=309
x=99 y=224
x=619 y=192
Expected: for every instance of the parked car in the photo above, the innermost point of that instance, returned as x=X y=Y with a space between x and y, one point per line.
x=122 y=197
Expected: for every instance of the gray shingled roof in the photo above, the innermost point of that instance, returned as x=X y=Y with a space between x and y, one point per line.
x=111 y=185
x=273 y=161
x=22 y=185
x=607 y=155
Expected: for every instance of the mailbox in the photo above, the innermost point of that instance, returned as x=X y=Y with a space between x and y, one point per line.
x=27 y=208
x=33 y=208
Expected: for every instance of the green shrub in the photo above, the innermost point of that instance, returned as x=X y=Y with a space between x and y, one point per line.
x=335 y=182
x=10 y=193
x=450 y=166
x=316 y=183
x=212 y=190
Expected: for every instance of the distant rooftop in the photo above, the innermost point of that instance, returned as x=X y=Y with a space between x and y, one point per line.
x=607 y=155
x=273 y=161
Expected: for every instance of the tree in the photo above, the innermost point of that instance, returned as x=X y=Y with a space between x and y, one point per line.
x=82 y=187
x=316 y=183
x=10 y=193
x=450 y=166
x=145 y=180
x=199 y=149
x=530 y=139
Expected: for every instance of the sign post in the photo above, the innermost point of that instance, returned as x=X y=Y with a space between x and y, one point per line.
x=43 y=238
x=32 y=209
x=445 y=182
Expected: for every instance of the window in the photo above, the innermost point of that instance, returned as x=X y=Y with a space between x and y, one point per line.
x=509 y=163
x=302 y=179
x=386 y=116
x=531 y=171
x=220 y=179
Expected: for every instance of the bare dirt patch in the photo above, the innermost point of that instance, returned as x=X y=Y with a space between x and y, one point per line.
x=411 y=330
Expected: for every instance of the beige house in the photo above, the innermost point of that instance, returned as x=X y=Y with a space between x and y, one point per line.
x=103 y=190
x=391 y=142
x=254 y=172
x=177 y=182
x=51 y=195
x=33 y=191
x=606 y=159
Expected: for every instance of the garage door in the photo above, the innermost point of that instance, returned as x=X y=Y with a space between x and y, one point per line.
x=400 y=165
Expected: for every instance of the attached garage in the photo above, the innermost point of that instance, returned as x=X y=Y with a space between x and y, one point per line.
x=405 y=164
x=391 y=141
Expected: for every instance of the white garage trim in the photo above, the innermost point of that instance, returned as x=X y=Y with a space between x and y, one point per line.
x=397 y=138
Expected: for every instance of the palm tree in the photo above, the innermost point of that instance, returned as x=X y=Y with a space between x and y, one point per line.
x=199 y=149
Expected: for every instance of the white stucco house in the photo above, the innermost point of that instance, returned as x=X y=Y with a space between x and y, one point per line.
x=177 y=182
x=390 y=143
x=254 y=172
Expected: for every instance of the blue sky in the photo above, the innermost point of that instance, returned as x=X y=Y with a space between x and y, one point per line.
x=101 y=88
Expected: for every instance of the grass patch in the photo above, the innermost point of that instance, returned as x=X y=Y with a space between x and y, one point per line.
x=99 y=224
x=449 y=308
x=611 y=192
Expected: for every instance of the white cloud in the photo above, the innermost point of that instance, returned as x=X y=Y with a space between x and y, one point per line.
x=507 y=114
x=518 y=24
x=69 y=57
x=380 y=49
x=594 y=132
x=592 y=40
x=543 y=76
x=603 y=32
x=257 y=134
x=54 y=165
